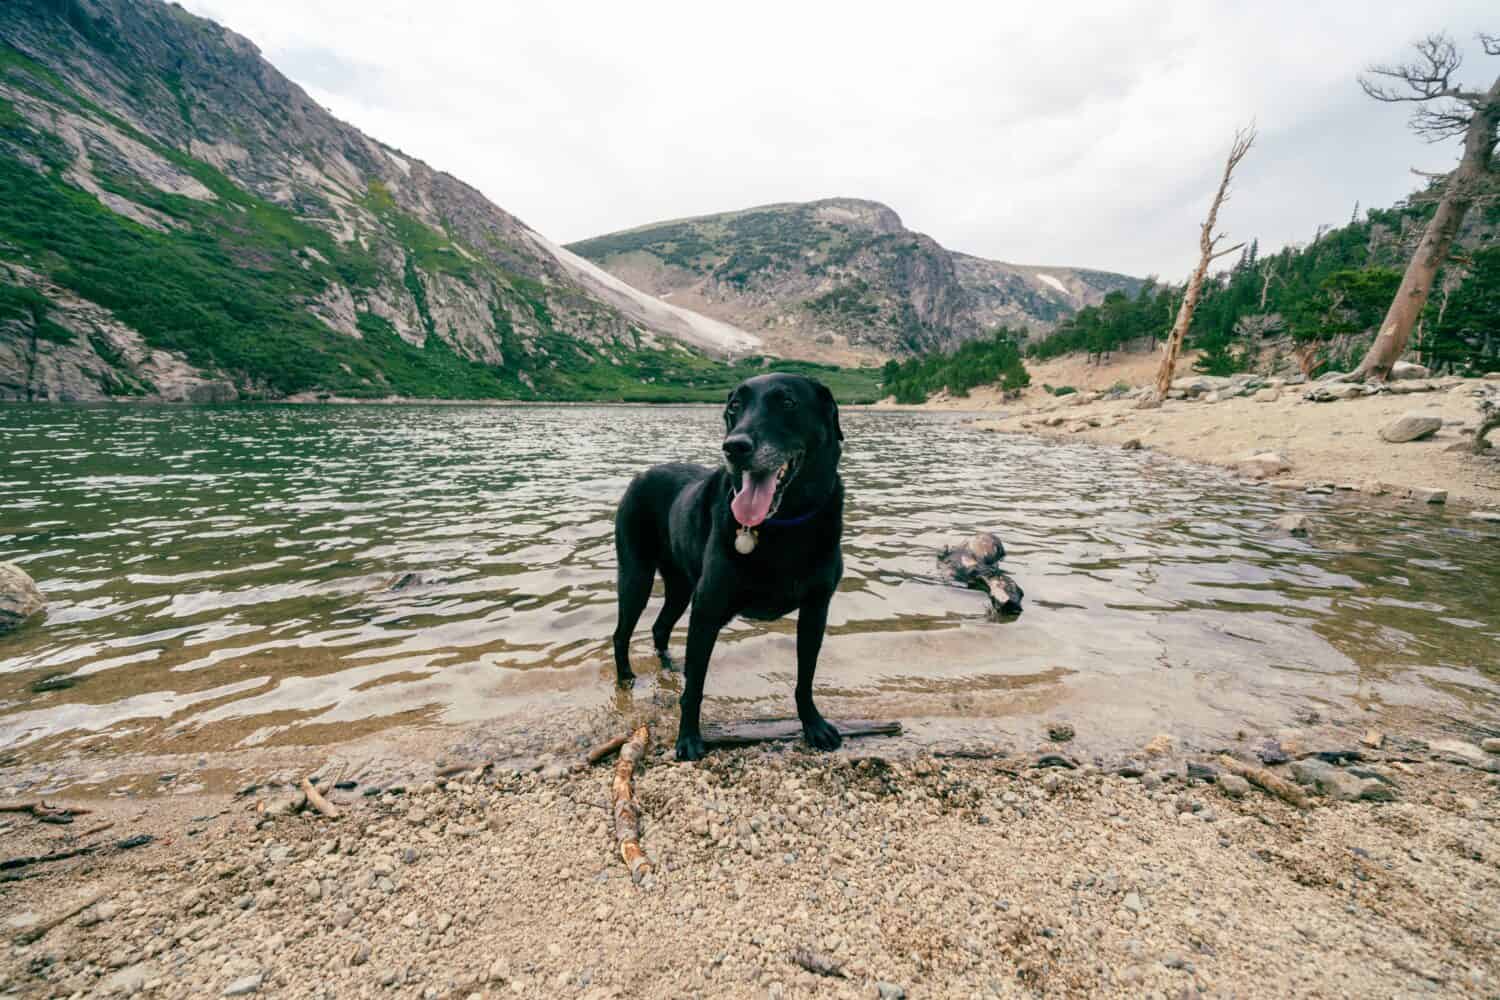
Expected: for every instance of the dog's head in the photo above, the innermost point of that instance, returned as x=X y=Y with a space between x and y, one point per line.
x=781 y=441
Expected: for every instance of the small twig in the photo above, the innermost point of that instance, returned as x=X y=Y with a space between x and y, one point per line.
x=449 y=770
x=96 y=829
x=818 y=963
x=45 y=811
x=31 y=934
x=606 y=748
x=36 y=859
x=316 y=800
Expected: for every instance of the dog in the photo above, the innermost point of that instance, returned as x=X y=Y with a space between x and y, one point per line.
x=758 y=536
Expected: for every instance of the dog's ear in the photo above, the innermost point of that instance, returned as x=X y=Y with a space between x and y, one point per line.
x=830 y=409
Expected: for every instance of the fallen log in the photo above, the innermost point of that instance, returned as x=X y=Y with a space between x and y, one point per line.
x=752 y=731
x=1267 y=780
x=627 y=811
x=316 y=800
x=606 y=748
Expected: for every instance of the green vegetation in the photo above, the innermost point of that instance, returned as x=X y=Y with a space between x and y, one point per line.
x=226 y=285
x=992 y=360
x=848 y=301
x=1327 y=297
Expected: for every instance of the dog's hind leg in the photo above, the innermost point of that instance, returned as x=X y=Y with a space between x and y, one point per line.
x=679 y=593
x=634 y=581
x=635 y=557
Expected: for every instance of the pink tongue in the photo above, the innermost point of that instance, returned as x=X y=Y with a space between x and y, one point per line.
x=752 y=504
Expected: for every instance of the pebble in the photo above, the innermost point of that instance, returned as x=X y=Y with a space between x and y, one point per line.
x=1060 y=732
x=1132 y=901
x=889 y=991
x=1491 y=745
x=244 y=985
x=1233 y=786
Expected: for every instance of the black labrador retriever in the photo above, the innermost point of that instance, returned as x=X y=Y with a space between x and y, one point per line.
x=757 y=537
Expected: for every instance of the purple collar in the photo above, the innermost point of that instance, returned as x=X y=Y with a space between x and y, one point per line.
x=792 y=522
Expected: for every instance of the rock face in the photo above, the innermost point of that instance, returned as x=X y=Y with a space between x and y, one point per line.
x=196 y=227
x=842 y=273
x=19 y=597
x=1411 y=426
x=976 y=564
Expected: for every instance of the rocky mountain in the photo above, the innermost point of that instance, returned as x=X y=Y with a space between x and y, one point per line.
x=180 y=221
x=840 y=279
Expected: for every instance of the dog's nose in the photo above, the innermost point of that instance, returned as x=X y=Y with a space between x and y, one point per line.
x=738 y=446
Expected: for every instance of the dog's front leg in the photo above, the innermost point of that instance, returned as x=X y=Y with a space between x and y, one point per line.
x=711 y=612
x=812 y=619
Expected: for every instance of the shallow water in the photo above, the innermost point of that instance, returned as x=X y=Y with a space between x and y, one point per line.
x=219 y=577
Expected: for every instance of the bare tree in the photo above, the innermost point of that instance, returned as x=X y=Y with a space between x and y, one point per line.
x=1208 y=247
x=1444 y=110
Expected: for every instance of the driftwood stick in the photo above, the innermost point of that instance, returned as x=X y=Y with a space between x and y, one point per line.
x=1273 y=783
x=36 y=859
x=627 y=811
x=741 y=734
x=31 y=934
x=96 y=829
x=316 y=800
x=449 y=770
x=44 y=811
x=606 y=748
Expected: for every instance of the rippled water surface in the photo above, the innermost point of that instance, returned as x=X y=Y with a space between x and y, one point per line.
x=221 y=578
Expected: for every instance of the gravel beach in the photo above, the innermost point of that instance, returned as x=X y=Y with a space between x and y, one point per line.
x=783 y=873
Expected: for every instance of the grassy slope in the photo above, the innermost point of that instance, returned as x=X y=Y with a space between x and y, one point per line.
x=226 y=288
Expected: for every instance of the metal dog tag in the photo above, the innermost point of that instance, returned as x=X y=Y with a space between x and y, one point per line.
x=744 y=541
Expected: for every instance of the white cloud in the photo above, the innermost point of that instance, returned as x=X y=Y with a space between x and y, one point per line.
x=1086 y=134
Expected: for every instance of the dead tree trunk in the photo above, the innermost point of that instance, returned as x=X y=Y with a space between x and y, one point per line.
x=1444 y=110
x=1208 y=242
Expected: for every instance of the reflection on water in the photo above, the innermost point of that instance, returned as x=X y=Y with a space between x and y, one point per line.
x=222 y=576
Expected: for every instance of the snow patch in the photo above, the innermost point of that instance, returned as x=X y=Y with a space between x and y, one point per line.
x=1048 y=279
x=675 y=321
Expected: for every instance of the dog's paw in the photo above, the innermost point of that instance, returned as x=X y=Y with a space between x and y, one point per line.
x=667 y=662
x=820 y=734
x=625 y=681
x=689 y=746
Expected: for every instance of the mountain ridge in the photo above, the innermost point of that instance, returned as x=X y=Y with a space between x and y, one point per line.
x=843 y=275
x=261 y=246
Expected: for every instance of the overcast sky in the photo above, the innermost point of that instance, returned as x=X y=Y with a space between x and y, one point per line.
x=1086 y=133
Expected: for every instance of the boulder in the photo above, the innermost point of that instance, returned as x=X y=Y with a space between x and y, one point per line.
x=19 y=597
x=1330 y=391
x=1405 y=370
x=1492 y=377
x=1262 y=465
x=1267 y=395
x=1411 y=426
x=1424 y=495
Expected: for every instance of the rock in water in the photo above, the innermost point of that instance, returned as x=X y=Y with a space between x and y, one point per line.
x=975 y=564
x=19 y=598
x=1413 y=425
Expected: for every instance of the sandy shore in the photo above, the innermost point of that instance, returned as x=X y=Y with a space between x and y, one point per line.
x=913 y=877
x=1336 y=442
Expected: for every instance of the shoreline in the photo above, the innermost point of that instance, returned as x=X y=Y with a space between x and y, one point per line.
x=1323 y=447
x=786 y=873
